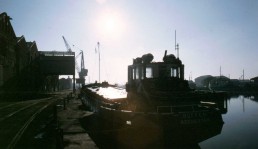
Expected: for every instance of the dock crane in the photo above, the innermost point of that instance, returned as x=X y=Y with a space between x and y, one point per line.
x=82 y=72
x=67 y=45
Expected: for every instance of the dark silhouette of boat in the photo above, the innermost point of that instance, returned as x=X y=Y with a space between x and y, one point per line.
x=158 y=100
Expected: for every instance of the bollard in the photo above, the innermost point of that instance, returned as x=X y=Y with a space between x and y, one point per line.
x=69 y=97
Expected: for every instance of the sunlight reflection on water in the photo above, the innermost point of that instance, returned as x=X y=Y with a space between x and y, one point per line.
x=111 y=92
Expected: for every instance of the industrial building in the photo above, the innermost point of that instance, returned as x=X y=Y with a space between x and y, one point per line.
x=23 y=66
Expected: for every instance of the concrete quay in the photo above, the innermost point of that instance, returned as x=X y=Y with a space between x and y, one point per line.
x=71 y=133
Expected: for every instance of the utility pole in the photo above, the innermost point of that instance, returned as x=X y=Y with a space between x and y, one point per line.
x=243 y=74
x=99 y=60
x=219 y=71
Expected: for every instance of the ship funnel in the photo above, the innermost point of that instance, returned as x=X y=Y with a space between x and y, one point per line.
x=165 y=55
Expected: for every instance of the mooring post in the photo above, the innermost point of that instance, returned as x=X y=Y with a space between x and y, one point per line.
x=68 y=98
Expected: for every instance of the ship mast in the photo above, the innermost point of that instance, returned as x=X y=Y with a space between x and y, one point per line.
x=176 y=46
x=99 y=60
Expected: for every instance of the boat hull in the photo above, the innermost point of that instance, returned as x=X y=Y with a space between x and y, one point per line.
x=164 y=124
x=125 y=129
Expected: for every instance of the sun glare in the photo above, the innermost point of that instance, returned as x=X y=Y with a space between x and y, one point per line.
x=110 y=25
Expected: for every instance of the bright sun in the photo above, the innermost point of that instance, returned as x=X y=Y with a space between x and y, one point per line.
x=110 y=25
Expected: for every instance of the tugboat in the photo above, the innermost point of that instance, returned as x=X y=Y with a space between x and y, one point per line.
x=153 y=86
x=157 y=98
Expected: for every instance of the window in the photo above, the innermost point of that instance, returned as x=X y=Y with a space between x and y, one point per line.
x=137 y=73
x=133 y=73
x=149 y=72
x=142 y=73
x=173 y=72
x=178 y=72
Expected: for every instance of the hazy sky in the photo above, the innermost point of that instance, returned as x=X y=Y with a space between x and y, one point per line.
x=210 y=33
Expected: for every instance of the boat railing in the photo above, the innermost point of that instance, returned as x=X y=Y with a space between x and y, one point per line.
x=179 y=108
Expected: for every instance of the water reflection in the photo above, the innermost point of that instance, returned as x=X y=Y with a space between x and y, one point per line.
x=254 y=98
x=240 y=125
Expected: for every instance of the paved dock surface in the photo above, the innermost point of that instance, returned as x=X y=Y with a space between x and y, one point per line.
x=74 y=136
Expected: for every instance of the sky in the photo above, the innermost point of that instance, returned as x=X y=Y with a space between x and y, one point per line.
x=211 y=34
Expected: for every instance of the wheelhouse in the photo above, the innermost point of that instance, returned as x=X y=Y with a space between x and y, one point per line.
x=145 y=75
x=143 y=69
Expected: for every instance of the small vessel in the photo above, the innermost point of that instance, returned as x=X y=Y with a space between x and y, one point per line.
x=156 y=97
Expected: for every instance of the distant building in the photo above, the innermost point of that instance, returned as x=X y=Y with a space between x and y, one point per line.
x=222 y=83
x=33 y=51
x=21 y=54
x=20 y=62
x=211 y=82
x=219 y=82
x=255 y=80
x=65 y=83
x=192 y=85
x=7 y=49
x=18 y=66
x=203 y=81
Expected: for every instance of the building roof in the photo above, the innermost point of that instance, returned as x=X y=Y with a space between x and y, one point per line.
x=255 y=78
x=6 y=32
x=19 y=39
